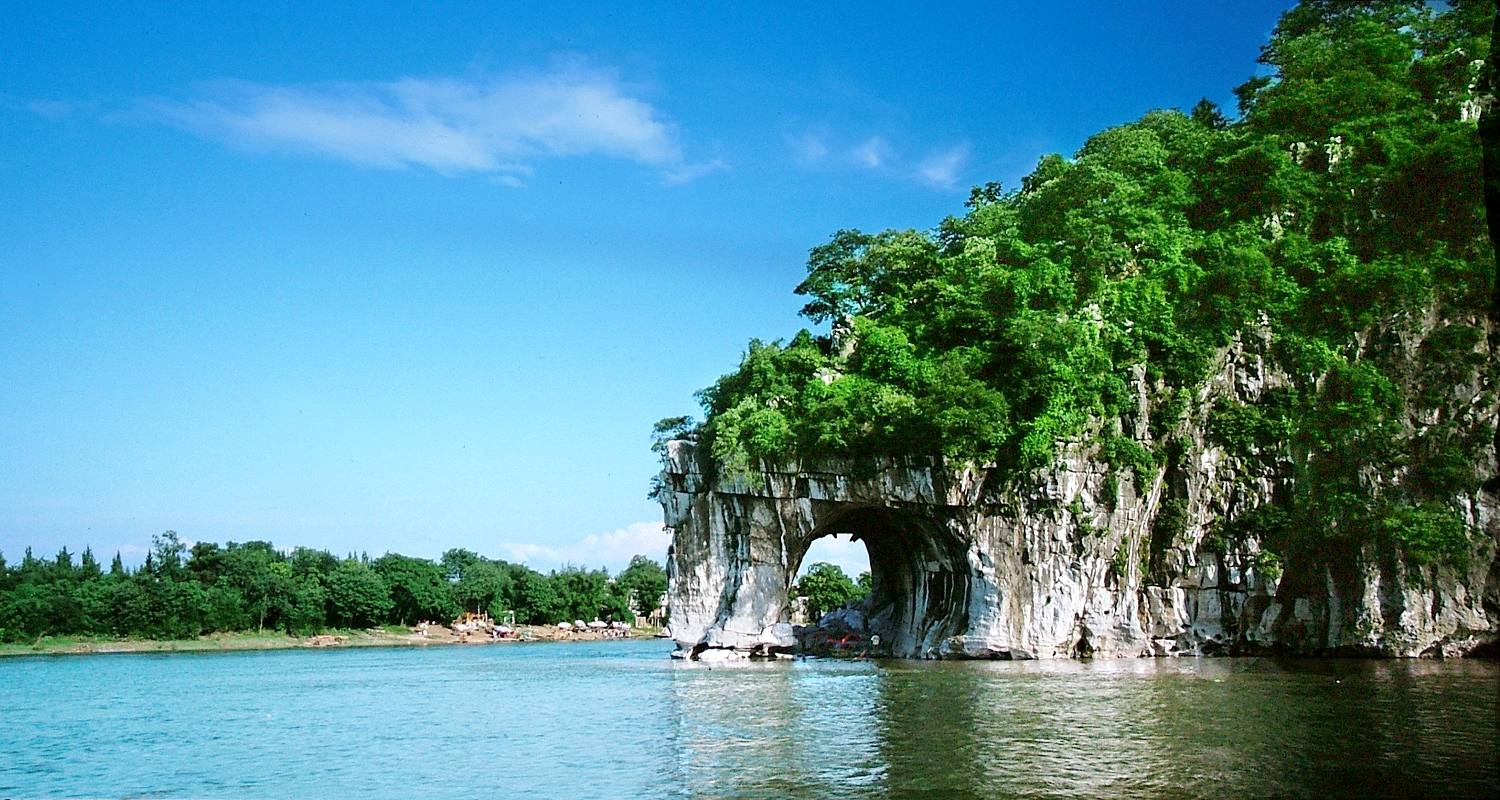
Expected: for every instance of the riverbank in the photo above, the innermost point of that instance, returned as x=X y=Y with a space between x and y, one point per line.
x=251 y=640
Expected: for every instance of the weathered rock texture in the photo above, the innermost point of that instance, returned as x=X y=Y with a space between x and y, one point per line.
x=966 y=564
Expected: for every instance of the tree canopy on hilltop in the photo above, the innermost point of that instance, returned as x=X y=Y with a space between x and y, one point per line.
x=1340 y=214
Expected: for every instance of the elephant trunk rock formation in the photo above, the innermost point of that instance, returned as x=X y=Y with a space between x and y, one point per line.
x=968 y=563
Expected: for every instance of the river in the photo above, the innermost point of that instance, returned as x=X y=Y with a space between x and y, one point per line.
x=621 y=720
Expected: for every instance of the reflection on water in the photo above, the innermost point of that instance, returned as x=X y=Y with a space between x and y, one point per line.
x=1145 y=728
x=619 y=720
x=777 y=729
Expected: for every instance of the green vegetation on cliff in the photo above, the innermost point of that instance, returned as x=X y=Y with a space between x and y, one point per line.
x=1336 y=227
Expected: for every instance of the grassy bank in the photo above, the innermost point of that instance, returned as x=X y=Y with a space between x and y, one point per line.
x=59 y=645
x=389 y=636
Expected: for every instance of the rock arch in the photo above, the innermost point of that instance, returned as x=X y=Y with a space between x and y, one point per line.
x=919 y=566
x=737 y=546
x=1067 y=564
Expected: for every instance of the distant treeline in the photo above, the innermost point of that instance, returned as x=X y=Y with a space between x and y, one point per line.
x=182 y=593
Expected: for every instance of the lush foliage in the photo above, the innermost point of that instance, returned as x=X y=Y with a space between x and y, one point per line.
x=1339 y=216
x=643 y=582
x=182 y=593
x=827 y=588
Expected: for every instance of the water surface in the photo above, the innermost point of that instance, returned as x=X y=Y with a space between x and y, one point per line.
x=619 y=719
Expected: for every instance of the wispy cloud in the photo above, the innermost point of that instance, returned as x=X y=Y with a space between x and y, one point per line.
x=820 y=149
x=872 y=153
x=450 y=125
x=692 y=172
x=609 y=550
x=809 y=148
x=941 y=169
x=51 y=109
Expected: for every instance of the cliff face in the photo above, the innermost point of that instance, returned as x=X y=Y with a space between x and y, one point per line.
x=1073 y=560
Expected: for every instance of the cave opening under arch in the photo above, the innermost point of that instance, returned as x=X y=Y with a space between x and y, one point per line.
x=920 y=574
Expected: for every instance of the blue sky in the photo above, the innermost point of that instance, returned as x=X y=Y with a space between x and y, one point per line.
x=372 y=277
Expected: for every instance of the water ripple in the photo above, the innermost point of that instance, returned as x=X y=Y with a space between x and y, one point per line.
x=618 y=719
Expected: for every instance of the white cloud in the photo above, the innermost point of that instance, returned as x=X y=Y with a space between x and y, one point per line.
x=941 y=169
x=872 y=153
x=449 y=125
x=820 y=149
x=609 y=550
x=840 y=549
x=810 y=148
x=690 y=172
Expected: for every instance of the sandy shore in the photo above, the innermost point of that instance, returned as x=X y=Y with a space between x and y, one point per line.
x=436 y=635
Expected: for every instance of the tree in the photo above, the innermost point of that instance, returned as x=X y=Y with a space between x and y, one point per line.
x=537 y=602
x=670 y=428
x=263 y=578
x=93 y=608
x=205 y=562
x=226 y=609
x=840 y=277
x=643 y=582
x=307 y=612
x=615 y=607
x=457 y=561
x=357 y=596
x=483 y=586
x=88 y=566
x=1207 y=114
x=1342 y=208
x=315 y=564
x=24 y=612
x=581 y=593
x=125 y=608
x=827 y=588
x=168 y=550
x=419 y=589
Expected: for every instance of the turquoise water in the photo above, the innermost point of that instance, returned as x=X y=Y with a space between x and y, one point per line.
x=619 y=719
